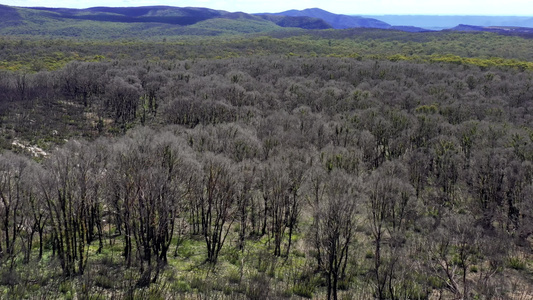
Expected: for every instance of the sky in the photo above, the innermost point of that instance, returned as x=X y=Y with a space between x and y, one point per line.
x=348 y=7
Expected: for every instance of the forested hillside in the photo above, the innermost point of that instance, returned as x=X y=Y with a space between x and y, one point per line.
x=338 y=164
x=146 y=21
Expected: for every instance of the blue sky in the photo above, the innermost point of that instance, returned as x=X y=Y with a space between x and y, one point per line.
x=350 y=7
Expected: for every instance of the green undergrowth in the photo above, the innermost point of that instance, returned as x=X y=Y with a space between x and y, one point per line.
x=248 y=273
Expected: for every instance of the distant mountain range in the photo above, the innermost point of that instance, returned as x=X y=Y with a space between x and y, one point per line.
x=447 y=22
x=115 y=22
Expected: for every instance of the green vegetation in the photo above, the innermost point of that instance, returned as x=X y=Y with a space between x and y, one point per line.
x=236 y=26
x=483 y=50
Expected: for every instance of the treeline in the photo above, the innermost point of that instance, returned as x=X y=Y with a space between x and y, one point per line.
x=309 y=176
x=481 y=49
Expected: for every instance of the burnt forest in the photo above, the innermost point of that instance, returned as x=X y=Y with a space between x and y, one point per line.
x=222 y=155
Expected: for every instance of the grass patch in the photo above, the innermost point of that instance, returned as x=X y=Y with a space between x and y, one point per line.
x=516 y=263
x=305 y=290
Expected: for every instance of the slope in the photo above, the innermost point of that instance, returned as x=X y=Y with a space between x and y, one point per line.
x=127 y=22
x=335 y=20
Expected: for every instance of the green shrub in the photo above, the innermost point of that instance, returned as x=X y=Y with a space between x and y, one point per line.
x=156 y=292
x=199 y=284
x=286 y=293
x=227 y=290
x=344 y=284
x=435 y=282
x=258 y=287
x=298 y=253
x=186 y=250
x=65 y=287
x=107 y=261
x=516 y=263
x=305 y=290
x=181 y=286
x=16 y=292
x=233 y=256
x=104 y=282
x=234 y=276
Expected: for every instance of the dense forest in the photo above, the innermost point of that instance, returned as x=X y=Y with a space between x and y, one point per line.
x=338 y=164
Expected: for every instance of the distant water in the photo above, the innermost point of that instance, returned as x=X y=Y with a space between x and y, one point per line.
x=444 y=22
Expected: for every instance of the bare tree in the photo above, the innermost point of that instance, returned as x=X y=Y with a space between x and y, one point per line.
x=70 y=188
x=217 y=204
x=122 y=98
x=453 y=248
x=447 y=165
x=389 y=204
x=36 y=208
x=148 y=186
x=280 y=184
x=14 y=170
x=334 y=224
x=244 y=201
x=487 y=177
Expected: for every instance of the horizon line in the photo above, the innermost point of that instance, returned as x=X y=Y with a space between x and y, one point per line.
x=348 y=14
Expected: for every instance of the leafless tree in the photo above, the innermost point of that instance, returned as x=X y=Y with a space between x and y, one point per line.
x=148 y=186
x=217 y=204
x=453 y=248
x=390 y=202
x=70 y=188
x=335 y=221
x=280 y=184
x=14 y=171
